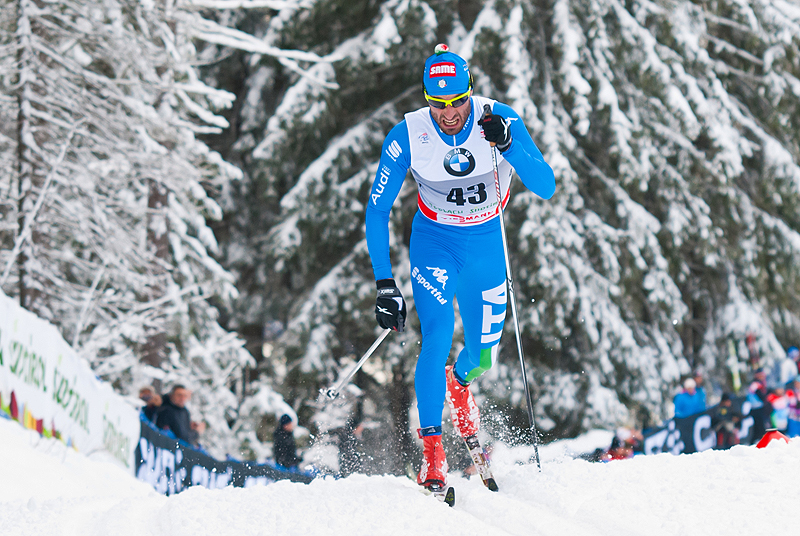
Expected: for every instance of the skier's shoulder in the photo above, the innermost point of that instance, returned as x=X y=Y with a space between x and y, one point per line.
x=396 y=142
x=415 y=115
x=416 y=123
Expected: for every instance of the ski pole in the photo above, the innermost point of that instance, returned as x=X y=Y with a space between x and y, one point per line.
x=333 y=392
x=487 y=111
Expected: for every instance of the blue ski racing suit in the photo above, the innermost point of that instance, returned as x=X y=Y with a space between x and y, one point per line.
x=456 y=246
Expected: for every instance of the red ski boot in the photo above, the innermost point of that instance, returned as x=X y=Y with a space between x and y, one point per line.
x=463 y=410
x=433 y=473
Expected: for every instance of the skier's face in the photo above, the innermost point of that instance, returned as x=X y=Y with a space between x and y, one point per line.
x=451 y=119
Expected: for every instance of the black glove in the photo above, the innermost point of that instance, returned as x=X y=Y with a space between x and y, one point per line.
x=390 y=307
x=495 y=129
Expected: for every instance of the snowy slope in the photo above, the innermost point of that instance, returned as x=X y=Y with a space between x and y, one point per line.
x=48 y=489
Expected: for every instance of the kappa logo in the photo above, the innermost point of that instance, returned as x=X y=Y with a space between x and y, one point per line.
x=394 y=150
x=442 y=69
x=459 y=162
x=435 y=292
x=439 y=274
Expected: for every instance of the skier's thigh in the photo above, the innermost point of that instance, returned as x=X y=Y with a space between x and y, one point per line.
x=481 y=296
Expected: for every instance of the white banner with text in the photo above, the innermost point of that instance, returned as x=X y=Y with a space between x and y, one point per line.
x=47 y=387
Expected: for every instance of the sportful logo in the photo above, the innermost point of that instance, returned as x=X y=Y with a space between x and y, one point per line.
x=394 y=150
x=442 y=69
x=439 y=274
x=419 y=278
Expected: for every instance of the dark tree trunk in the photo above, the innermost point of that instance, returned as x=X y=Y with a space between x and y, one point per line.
x=154 y=350
x=25 y=165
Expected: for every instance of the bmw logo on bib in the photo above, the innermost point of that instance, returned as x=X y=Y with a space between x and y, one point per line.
x=459 y=162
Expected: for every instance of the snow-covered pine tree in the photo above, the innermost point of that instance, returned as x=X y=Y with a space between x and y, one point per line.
x=111 y=191
x=672 y=128
x=668 y=126
x=296 y=236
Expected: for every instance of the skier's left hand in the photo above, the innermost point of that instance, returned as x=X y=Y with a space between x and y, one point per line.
x=390 y=307
x=495 y=129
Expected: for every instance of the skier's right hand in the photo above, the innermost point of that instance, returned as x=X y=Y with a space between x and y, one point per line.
x=390 y=307
x=496 y=129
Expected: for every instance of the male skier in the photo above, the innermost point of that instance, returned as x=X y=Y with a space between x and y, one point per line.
x=456 y=244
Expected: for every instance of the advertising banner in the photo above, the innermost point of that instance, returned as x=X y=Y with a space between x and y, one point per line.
x=171 y=466
x=695 y=433
x=47 y=387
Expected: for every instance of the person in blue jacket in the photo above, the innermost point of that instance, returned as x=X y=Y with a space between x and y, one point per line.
x=690 y=400
x=456 y=246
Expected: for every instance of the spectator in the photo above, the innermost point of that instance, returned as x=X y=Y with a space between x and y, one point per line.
x=700 y=381
x=795 y=355
x=758 y=387
x=786 y=369
x=757 y=397
x=284 y=448
x=779 y=401
x=625 y=444
x=793 y=393
x=689 y=401
x=725 y=423
x=152 y=401
x=174 y=417
x=618 y=450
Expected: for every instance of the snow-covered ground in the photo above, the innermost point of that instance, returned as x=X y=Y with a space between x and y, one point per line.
x=47 y=489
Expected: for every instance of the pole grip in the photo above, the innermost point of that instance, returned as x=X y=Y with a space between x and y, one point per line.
x=487 y=112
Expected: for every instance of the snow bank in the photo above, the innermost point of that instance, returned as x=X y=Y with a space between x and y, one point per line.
x=49 y=489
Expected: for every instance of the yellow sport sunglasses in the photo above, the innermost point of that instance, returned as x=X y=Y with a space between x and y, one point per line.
x=455 y=102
